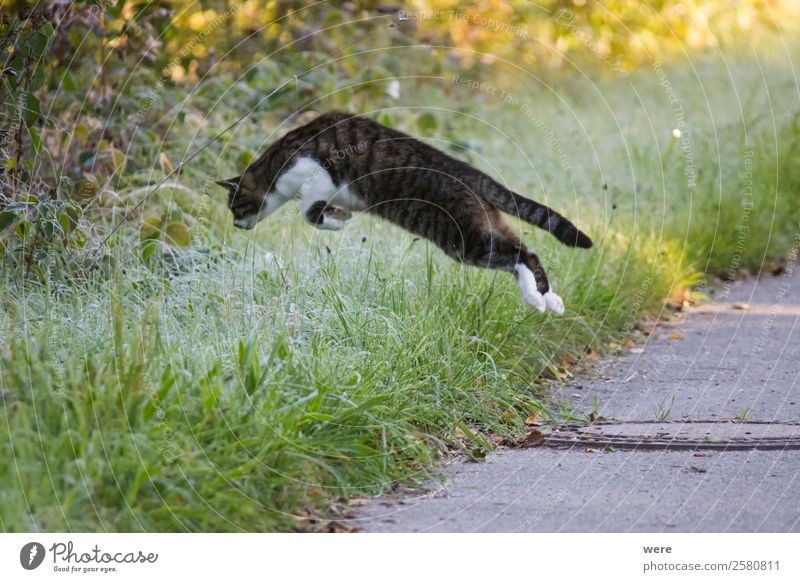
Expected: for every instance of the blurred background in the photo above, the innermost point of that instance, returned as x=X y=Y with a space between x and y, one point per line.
x=102 y=99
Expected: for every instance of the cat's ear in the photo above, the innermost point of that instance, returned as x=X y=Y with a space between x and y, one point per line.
x=231 y=184
x=248 y=180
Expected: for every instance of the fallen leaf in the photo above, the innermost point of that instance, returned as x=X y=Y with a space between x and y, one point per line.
x=637 y=350
x=497 y=440
x=358 y=501
x=477 y=454
x=533 y=439
x=741 y=306
x=776 y=268
x=675 y=336
x=508 y=416
x=567 y=360
x=646 y=327
x=629 y=343
x=150 y=227
x=533 y=419
x=177 y=234
x=555 y=373
x=166 y=165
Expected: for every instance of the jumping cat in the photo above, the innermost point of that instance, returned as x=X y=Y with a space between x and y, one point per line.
x=341 y=163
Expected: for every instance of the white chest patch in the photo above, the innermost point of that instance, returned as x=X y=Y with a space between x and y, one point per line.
x=312 y=181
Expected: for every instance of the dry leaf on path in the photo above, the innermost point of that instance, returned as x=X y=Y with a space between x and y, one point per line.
x=533 y=439
x=477 y=454
x=567 y=360
x=534 y=419
x=675 y=336
x=497 y=440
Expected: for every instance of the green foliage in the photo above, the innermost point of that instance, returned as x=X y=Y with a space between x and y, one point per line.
x=38 y=235
x=24 y=45
x=615 y=37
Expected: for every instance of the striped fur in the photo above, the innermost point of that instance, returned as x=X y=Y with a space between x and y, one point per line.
x=340 y=163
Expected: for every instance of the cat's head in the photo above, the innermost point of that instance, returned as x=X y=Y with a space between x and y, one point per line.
x=247 y=200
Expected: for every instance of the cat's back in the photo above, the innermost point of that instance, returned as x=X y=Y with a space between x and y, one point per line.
x=328 y=133
x=357 y=149
x=349 y=129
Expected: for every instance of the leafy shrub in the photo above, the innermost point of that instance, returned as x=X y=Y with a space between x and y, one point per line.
x=39 y=231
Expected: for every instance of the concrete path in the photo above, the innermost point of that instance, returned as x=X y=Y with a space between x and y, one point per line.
x=731 y=362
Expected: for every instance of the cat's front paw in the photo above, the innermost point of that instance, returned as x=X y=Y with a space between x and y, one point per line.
x=554 y=303
x=330 y=223
x=340 y=214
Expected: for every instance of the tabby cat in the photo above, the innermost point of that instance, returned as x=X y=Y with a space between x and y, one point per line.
x=341 y=163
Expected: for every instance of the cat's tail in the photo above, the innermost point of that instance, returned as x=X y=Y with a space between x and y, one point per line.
x=536 y=214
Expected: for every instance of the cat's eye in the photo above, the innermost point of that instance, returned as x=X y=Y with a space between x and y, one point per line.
x=243 y=206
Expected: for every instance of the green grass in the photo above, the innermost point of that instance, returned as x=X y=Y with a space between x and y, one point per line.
x=259 y=379
x=224 y=398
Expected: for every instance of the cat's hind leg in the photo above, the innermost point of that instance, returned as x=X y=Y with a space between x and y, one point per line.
x=531 y=291
x=504 y=251
x=533 y=282
x=527 y=287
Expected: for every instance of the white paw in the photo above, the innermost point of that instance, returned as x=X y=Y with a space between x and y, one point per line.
x=338 y=213
x=527 y=287
x=554 y=303
x=329 y=223
x=534 y=299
